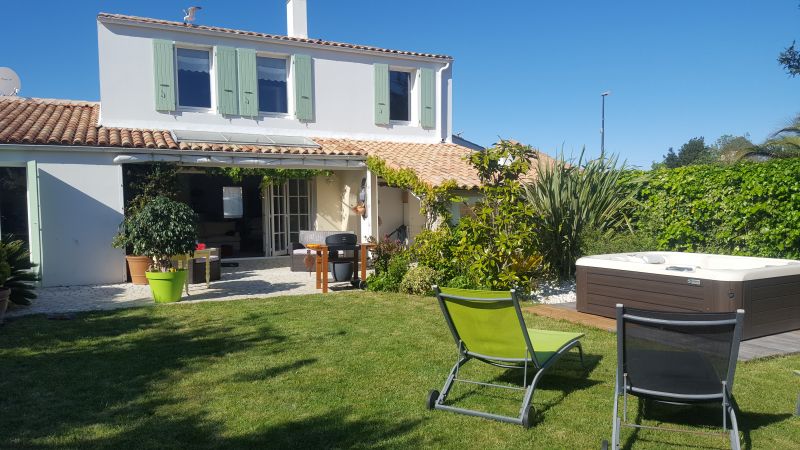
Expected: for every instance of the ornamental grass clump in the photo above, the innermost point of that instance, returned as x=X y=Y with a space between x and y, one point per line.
x=570 y=199
x=160 y=229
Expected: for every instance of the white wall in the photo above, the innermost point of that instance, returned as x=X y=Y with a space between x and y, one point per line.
x=391 y=210
x=80 y=196
x=414 y=220
x=343 y=89
x=334 y=196
x=351 y=185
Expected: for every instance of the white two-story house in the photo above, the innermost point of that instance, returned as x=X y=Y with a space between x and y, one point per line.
x=202 y=96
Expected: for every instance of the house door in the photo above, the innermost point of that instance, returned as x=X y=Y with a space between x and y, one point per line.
x=19 y=209
x=289 y=212
x=278 y=221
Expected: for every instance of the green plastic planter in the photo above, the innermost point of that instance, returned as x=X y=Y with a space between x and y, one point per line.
x=166 y=286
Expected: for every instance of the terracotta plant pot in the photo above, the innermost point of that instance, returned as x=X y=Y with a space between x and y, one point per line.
x=4 y=294
x=137 y=265
x=167 y=286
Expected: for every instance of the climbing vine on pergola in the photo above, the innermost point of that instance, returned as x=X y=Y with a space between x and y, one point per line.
x=434 y=200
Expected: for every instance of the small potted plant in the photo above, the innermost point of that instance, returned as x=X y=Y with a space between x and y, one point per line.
x=162 y=229
x=360 y=209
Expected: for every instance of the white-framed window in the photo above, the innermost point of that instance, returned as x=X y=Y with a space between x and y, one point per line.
x=232 y=202
x=273 y=85
x=404 y=101
x=194 y=78
x=401 y=84
x=14 y=221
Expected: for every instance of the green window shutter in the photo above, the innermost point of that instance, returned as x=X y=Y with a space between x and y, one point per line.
x=34 y=219
x=248 y=82
x=227 y=95
x=427 y=102
x=382 y=94
x=164 y=74
x=303 y=87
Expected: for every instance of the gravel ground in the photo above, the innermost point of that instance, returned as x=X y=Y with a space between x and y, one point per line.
x=552 y=292
x=251 y=279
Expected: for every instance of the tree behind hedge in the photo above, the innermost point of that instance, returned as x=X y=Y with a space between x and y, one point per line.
x=745 y=209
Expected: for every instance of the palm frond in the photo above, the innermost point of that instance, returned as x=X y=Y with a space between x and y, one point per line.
x=23 y=277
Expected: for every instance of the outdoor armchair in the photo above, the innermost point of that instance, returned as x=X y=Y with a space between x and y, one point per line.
x=676 y=358
x=488 y=326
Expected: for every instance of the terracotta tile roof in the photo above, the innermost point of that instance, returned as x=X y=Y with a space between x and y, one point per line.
x=435 y=163
x=321 y=42
x=68 y=122
x=38 y=121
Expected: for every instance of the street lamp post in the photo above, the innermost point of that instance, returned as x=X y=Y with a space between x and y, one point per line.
x=603 y=125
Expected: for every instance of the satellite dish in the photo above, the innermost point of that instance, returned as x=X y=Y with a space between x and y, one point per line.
x=9 y=82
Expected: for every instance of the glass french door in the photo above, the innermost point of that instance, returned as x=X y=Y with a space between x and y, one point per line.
x=289 y=212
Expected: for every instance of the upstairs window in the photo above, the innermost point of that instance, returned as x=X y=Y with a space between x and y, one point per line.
x=272 y=88
x=194 y=78
x=399 y=96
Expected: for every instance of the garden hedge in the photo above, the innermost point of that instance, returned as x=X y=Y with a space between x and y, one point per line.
x=744 y=209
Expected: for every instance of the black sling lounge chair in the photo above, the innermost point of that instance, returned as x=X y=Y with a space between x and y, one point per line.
x=676 y=358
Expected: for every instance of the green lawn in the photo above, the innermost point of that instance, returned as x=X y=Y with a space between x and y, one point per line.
x=342 y=370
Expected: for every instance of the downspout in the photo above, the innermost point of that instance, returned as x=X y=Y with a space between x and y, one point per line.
x=446 y=131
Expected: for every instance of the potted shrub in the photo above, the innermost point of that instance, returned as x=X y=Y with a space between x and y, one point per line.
x=146 y=182
x=137 y=264
x=162 y=229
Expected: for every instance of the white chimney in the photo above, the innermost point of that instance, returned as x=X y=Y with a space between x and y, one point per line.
x=296 y=19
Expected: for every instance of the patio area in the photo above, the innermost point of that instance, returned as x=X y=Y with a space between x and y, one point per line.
x=252 y=278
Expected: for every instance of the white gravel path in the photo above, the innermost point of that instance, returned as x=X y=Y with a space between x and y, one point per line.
x=553 y=292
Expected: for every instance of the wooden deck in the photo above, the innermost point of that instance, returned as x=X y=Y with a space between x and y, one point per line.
x=567 y=311
x=775 y=345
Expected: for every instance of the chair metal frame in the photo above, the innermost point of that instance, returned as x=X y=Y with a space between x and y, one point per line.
x=465 y=355
x=725 y=396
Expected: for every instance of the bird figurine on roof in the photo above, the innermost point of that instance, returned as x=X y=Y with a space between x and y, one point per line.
x=189 y=17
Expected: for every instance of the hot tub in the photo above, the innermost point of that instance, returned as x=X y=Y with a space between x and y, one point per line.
x=767 y=289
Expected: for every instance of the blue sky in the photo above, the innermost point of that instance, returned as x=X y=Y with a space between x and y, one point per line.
x=527 y=70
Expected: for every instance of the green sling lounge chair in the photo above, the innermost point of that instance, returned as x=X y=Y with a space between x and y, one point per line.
x=488 y=326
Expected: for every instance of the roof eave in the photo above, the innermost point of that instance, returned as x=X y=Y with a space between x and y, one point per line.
x=167 y=151
x=442 y=59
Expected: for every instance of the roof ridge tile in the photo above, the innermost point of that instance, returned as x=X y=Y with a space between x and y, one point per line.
x=316 y=41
